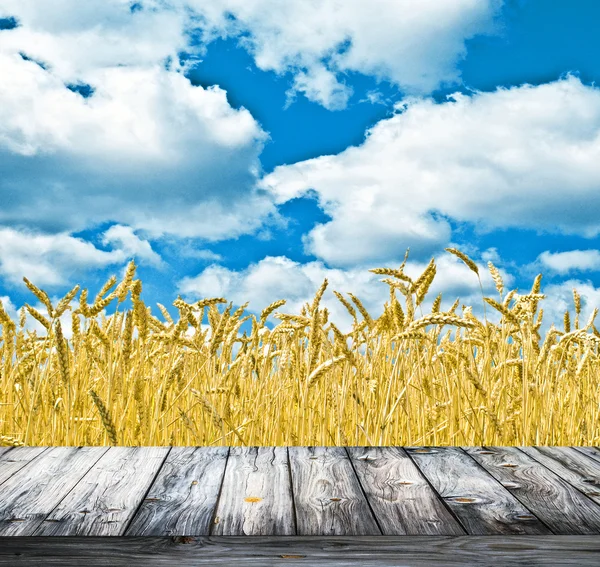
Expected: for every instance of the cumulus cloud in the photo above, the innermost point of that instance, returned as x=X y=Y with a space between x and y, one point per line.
x=526 y=157
x=125 y=239
x=559 y=298
x=187 y=250
x=148 y=150
x=75 y=38
x=415 y=44
x=51 y=259
x=573 y=260
x=32 y=324
x=9 y=307
x=281 y=278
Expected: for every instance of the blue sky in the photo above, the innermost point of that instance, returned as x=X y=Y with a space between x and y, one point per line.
x=251 y=149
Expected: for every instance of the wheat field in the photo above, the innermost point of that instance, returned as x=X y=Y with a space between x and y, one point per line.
x=404 y=378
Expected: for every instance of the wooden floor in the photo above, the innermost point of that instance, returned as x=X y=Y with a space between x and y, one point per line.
x=316 y=505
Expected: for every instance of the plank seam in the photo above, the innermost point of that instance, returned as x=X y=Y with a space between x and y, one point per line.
x=287 y=452
x=213 y=516
x=363 y=490
x=594 y=503
x=71 y=489
x=507 y=490
x=437 y=494
x=24 y=465
x=594 y=458
x=8 y=450
x=150 y=485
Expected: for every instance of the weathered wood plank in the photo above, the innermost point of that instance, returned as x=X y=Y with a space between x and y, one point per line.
x=15 y=459
x=257 y=551
x=106 y=498
x=4 y=450
x=256 y=496
x=576 y=468
x=30 y=494
x=555 y=502
x=592 y=452
x=401 y=498
x=482 y=505
x=182 y=499
x=356 y=491
x=327 y=494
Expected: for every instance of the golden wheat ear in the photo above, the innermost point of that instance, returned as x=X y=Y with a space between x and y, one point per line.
x=472 y=265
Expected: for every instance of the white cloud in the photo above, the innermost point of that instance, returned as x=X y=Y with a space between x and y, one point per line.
x=45 y=258
x=264 y=282
x=559 y=298
x=124 y=238
x=76 y=38
x=51 y=259
x=135 y=113
x=281 y=278
x=490 y=255
x=188 y=250
x=524 y=157
x=32 y=324
x=320 y=85
x=153 y=152
x=415 y=44
x=573 y=260
x=9 y=307
x=148 y=150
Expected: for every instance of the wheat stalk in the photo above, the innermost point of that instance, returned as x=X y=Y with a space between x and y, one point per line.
x=109 y=426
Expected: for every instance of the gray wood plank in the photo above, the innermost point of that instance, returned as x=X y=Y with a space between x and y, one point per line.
x=400 y=496
x=15 y=459
x=106 y=498
x=482 y=504
x=592 y=452
x=327 y=494
x=182 y=499
x=555 y=502
x=576 y=468
x=256 y=496
x=4 y=450
x=257 y=551
x=30 y=494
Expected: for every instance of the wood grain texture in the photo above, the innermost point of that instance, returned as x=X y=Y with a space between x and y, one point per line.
x=327 y=494
x=183 y=497
x=592 y=452
x=576 y=468
x=555 y=502
x=4 y=450
x=29 y=495
x=257 y=551
x=303 y=491
x=256 y=497
x=482 y=505
x=106 y=498
x=400 y=496
x=15 y=459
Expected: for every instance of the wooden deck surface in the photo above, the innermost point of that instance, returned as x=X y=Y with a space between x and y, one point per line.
x=315 y=505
